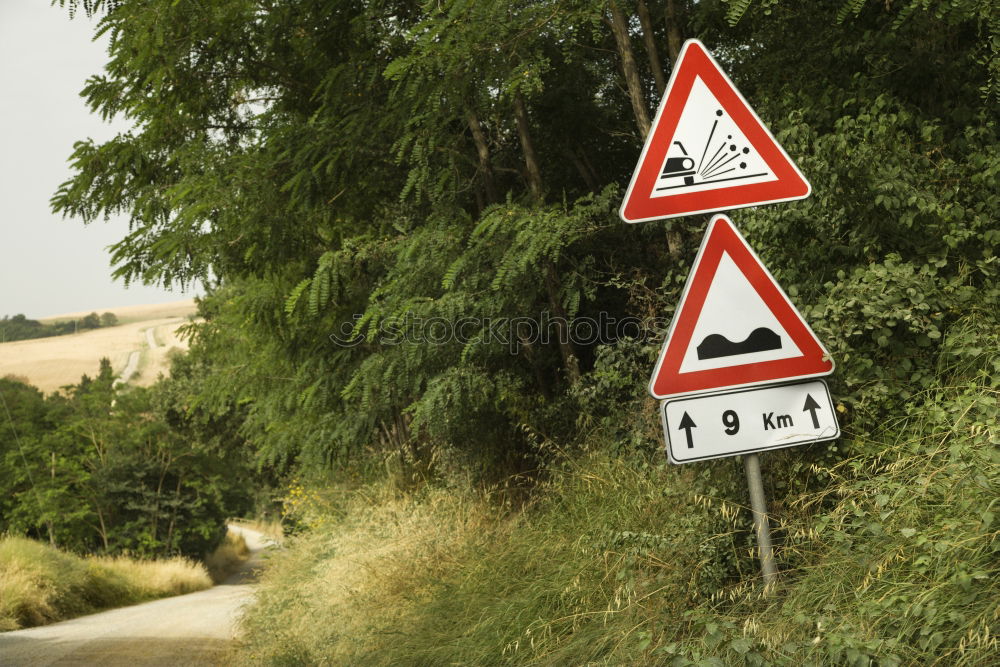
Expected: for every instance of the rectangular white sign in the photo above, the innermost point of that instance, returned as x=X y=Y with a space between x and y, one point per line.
x=742 y=421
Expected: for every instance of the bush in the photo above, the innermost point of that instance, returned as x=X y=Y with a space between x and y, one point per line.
x=891 y=557
x=227 y=557
x=40 y=584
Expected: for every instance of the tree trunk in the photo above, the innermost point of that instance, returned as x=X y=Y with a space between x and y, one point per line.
x=569 y=358
x=589 y=165
x=529 y=352
x=675 y=39
x=480 y=200
x=396 y=435
x=650 y=40
x=588 y=176
x=48 y=524
x=483 y=150
x=104 y=527
x=620 y=29
x=675 y=36
x=552 y=283
x=528 y=148
x=173 y=517
x=98 y=446
x=159 y=495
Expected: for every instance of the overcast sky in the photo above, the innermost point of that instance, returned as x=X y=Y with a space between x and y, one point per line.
x=50 y=265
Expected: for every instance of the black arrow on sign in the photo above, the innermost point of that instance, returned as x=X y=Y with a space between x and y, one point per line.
x=687 y=424
x=812 y=406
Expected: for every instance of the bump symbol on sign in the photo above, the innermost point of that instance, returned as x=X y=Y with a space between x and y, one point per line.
x=760 y=339
x=734 y=325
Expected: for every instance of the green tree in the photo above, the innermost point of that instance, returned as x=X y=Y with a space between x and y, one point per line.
x=100 y=469
x=23 y=503
x=344 y=167
x=92 y=321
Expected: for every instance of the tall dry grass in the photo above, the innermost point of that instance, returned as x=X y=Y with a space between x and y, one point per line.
x=891 y=560
x=270 y=528
x=227 y=557
x=40 y=584
x=344 y=587
x=149 y=579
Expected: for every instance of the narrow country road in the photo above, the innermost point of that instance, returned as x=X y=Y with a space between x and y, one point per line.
x=132 y=365
x=194 y=629
x=130 y=368
x=151 y=337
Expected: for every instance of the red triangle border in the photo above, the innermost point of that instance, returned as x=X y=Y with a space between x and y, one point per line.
x=694 y=62
x=667 y=380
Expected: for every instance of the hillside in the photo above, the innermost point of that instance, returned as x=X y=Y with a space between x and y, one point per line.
x=151 y=331
x=432 y=326
x=130 y=314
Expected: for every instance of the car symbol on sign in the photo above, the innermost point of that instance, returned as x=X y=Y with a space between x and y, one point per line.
x=679 y=166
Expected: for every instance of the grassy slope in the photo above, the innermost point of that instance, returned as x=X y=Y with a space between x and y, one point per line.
x=891 y=555
x=40 y=584
x=129 y=314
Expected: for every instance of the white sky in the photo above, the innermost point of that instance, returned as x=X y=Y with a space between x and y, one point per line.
x=50 y=265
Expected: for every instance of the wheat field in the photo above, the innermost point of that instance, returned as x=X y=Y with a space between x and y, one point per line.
x=51 y=363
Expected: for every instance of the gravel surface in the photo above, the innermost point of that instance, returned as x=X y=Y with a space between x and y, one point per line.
x=194 y=629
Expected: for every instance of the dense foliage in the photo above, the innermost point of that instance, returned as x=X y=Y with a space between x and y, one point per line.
x=343 y=170
x=369 y=188
x=20 y=327
x=105 y=469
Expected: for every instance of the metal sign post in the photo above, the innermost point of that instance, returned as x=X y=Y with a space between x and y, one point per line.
x=751 y=462
x=735 y=333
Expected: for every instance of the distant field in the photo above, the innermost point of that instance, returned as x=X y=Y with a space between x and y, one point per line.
x=50 y=363
x=128 y=314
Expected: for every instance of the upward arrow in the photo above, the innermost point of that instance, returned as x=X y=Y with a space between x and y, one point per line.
x=812 y=406
x=686 y=425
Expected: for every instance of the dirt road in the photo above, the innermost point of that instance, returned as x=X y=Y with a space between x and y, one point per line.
x=194 y=629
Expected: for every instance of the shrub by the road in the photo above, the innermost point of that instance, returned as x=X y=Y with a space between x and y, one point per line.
x=890 y=559
x=40 y=584
x=227 y=557
x=109 y=469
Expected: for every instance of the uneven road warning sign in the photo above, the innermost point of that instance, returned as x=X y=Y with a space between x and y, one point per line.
x=707 y=150
x=743 y=421
x=734 y=326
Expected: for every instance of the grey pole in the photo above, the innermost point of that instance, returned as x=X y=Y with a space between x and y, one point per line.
x=759 y=506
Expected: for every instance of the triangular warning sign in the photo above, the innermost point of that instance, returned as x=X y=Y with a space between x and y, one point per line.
x=734 y=325
x=707 y=150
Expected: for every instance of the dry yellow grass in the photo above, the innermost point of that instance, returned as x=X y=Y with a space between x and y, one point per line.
x=157 y=578
x=227 y=557
x=51 y=363
x=128 y=314
x=345 y=586
x=40 y=584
